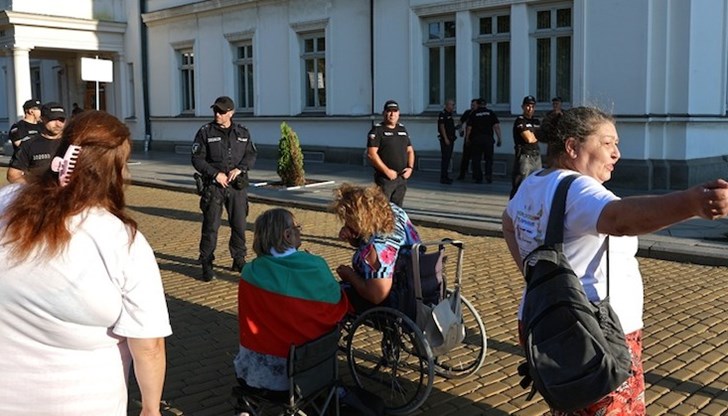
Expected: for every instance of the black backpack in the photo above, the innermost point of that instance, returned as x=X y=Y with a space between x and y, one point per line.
x=575 y=350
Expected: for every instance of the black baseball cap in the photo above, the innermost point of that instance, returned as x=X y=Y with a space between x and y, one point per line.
x=223 y=103
x=391 y=105
x=52 y=111
x=557 y=98
x=529 y=99
x=31 y=104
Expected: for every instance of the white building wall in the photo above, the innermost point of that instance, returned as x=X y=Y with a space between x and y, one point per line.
x=659 y=66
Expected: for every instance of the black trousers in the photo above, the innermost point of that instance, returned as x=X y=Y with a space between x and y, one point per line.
x=235 y=201
x=482 y=149
x=393 y=189
x=465 y=161
x=445 y=156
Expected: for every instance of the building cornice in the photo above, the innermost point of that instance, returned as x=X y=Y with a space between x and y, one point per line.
x=11 y=18
x=461 y=5
x=203 y=7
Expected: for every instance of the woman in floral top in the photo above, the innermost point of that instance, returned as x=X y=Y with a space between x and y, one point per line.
x=378 y=230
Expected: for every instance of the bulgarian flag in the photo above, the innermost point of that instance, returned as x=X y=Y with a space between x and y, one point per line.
x=284 y=301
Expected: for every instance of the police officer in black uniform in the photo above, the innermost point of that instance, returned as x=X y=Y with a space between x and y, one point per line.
x=446 y=134
x=33 y=157
x=528 y=155
x=466 y=157
x=479 y=133
x=390 y=151
x=222 y=154
x=28 y=126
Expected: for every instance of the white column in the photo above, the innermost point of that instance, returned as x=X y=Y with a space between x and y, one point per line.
x=19 y=90
x=521 y=63
x=467 y=70
x=117 y=87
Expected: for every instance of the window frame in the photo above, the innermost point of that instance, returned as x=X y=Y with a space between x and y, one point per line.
x=443 y=44
x=554 y=34
x=245 y=64
x=317 y=57
x=187 y=85
x=495 y=96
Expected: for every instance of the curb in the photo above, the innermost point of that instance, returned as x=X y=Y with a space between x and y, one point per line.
x=650 y=246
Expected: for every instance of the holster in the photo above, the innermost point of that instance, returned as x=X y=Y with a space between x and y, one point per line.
x=199 y=183
x=241 y=181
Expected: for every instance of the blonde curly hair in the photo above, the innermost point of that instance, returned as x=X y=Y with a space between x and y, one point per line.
x=366 y=210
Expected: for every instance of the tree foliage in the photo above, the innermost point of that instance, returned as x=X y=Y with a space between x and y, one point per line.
x=290 y=157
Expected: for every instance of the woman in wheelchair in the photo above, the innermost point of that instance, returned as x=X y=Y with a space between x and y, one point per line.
x=379 y=230
x=285 y=297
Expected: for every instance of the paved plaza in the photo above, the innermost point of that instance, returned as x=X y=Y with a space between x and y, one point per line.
x=686 y=334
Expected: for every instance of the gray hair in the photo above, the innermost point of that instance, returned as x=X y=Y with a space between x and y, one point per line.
x=269 y=232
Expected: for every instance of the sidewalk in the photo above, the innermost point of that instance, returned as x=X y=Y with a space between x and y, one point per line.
x=464 y=206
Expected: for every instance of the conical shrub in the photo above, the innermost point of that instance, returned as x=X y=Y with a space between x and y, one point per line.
x=290 y=158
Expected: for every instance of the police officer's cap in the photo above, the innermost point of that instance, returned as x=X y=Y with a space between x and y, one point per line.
x=52 y=111
x=223 y=103
x=556 y=99
x=391 y=105
x=529 y=99
x=31 y=104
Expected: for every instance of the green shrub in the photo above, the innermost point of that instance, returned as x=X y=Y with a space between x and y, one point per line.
x=290 y=158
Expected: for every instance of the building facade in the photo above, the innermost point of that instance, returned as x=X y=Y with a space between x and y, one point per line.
x=327 y=66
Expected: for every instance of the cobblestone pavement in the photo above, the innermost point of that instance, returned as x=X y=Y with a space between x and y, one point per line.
x=686 y=334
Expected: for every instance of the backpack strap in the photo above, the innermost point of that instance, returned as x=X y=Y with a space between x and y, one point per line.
x=555 y=229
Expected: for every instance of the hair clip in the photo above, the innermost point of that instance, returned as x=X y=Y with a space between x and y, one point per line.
x=64 y=166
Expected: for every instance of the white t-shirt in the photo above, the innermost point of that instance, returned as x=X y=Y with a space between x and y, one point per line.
x=64 y=320
x=584 y=247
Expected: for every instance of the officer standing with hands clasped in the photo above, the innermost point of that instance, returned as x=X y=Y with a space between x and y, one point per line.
x=390 y=151
x=28 y=126
x=222 y=154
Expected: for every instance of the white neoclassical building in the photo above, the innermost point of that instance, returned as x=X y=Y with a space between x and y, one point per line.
x=327 y=66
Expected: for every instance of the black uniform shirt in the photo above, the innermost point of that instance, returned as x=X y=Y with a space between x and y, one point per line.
x=35 y=155
x=22 y=131
x=525 y=124
x=217 y=149
x=392 y=144
x=445 y=118
x=482 y=121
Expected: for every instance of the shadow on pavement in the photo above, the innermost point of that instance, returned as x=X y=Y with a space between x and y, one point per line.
x=200 y=372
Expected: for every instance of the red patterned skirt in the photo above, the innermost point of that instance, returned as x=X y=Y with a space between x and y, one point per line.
x=629 y=398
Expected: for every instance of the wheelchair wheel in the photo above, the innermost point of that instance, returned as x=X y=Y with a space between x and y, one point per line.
x=388 y=356
x=466 y=358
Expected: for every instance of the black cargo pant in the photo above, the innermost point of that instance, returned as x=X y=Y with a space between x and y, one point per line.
x=482 y=150
x=235 y=201
x=393 y=189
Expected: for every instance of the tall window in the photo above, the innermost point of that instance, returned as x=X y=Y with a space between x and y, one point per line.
x=187 y=79
x=494 y=59
x=553 y=54
x=35 y=83
x=440 y=44
x=314 y=64
x=244 y=70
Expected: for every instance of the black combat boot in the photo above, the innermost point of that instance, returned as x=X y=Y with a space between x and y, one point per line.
x=208 y=274
x=238 y=264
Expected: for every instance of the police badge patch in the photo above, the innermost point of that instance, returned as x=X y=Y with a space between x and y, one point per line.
x=195 y=148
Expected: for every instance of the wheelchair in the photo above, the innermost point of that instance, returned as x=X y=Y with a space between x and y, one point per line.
x=428 y=328
x=313 y=379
